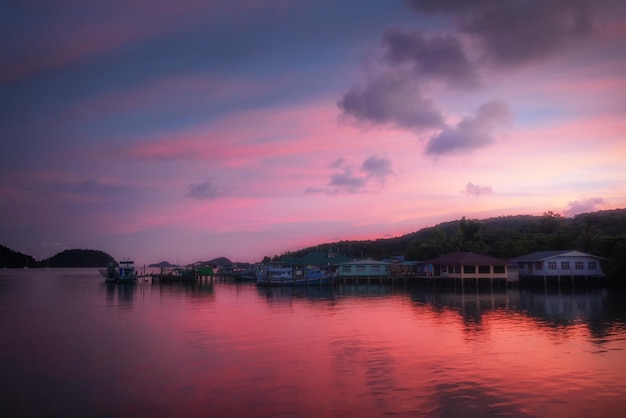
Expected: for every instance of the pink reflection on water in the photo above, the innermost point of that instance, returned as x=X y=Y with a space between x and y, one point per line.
x=228 y=350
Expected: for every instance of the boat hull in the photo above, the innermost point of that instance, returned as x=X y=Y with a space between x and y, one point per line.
x=286 y=276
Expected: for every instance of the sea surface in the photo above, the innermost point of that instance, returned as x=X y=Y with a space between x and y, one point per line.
x=73 y=346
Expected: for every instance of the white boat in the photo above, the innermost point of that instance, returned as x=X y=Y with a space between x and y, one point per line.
x=124 y=273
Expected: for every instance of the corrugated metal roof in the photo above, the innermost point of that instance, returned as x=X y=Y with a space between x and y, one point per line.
x=367 y=262
x=540 y=255
x=544 y=255
x=316 y=258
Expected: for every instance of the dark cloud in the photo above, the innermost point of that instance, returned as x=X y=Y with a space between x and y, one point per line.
x=371 y=175
x=347 y=181
x=583 y=205
x=472 y=132
x=391 y=99
x=472 y=189
x=378 y=167
x=438 y=57
x=205 y=190
x=515 y=32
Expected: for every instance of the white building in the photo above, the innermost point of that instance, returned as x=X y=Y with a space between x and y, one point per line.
x=559 y=263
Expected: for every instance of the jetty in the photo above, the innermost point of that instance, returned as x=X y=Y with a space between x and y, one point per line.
x=183 y=274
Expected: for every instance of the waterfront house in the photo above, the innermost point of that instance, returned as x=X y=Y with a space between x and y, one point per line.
x=365 y=268
x=467 y=265
x=559 y=263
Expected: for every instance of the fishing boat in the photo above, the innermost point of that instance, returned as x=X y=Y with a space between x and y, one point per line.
x=124 y=273
x=287 y=276
x=267 y=274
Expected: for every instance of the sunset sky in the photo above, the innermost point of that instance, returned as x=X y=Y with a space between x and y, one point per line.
x=187 y=130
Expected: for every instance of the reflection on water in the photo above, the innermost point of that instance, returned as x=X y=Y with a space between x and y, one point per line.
x=123 y=295
x=75 y=346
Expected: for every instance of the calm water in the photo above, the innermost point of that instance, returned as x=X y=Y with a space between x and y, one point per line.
x=72 y=346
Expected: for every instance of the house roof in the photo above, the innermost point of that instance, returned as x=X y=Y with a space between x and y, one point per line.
x=367 y=263
x=316 y=258
x=465 y=258
x=544 y=255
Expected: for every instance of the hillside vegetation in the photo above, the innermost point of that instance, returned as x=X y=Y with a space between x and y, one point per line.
x=600 y=233
x=67 y=258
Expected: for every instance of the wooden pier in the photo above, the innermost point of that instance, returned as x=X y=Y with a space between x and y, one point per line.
x=178 y=274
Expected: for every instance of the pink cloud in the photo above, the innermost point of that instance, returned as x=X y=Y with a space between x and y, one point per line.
x=476 y=190
x=584 y=205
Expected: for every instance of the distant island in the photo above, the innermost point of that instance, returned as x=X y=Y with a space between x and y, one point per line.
x=162 y=264
x=219 y=261
x=66 y=258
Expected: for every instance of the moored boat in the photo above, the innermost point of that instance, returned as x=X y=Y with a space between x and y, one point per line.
x=287 y=276
x=124 y=273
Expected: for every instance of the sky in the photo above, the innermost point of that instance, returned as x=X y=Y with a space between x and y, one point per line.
x=188 y=130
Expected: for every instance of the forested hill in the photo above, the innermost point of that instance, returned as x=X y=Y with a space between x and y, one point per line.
x=15 y=259
x=79 y=258
x=601 y=233
x=67 y=258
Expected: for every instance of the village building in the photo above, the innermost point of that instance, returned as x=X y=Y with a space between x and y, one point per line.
x=468 y=265
x=564 y=263
x=365 y=268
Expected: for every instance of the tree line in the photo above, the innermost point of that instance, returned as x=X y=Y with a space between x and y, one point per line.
x=601 y=233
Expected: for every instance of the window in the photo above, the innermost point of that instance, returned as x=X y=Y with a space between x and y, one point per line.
x=579 y=265
x=484 y=269
x=538 y=265
x=498 y=269
x=346 y=269
x=375 y=269
x=592 y=265
x=551 y=265
x=360 y=269
x=469 y=269
x=564 y=265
